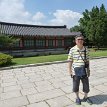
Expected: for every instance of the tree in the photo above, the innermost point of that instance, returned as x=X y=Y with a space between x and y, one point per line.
x=103 y=24
x=93 y=25
x=75 y=28
x=7 y=40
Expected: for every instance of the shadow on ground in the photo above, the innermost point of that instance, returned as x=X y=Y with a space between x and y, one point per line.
x=99 y=99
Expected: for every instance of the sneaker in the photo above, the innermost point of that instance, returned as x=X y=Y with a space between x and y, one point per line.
x=78 y=101
x=87 y=100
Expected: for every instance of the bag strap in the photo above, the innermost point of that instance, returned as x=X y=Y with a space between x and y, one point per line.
x=84 y=55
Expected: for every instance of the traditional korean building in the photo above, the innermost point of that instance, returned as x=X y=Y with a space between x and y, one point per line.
x=37 y=39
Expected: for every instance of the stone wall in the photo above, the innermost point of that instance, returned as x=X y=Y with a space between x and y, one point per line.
x=24 y=53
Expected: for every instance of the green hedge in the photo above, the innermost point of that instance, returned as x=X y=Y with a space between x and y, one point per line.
x=5 y=59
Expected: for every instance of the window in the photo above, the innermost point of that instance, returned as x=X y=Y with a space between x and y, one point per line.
x=68 y=41
x=40 y=42
x=28 y=43
x=59 y=43
x=50 y=43
x=17 y=44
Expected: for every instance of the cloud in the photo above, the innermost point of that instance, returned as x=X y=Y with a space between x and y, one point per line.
x=65 y=17
x=38 y=18
x=14 y=11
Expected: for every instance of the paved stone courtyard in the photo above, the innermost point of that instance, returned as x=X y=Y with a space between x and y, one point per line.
x=50 y=86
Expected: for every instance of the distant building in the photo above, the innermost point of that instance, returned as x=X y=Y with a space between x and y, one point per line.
x=37 y=39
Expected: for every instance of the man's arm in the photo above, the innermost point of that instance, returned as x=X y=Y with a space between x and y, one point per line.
x=88 y=69
x=88 y=62
x=70 y=61
x=70 y=67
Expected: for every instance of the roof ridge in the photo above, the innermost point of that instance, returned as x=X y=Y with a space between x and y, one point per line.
x=29 y=25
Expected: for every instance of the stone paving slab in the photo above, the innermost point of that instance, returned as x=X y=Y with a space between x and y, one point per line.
x=40 y=104
x=10 y=94
x=28 y=91
x=59 y=101
x=14 y=102
x=45 y=95
x=50 y=86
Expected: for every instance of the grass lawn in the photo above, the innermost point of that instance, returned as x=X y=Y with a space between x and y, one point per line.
x=51 y=58
x=39 y=59
x=98 y=53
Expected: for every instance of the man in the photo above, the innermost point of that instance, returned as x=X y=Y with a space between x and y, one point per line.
x=78 y=61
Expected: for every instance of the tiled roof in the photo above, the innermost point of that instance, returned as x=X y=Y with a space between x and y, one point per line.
x=35 y=30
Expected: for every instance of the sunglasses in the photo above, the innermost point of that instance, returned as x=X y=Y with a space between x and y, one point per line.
x=80 y=39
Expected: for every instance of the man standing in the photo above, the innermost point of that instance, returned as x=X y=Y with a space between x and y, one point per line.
x=78 y=66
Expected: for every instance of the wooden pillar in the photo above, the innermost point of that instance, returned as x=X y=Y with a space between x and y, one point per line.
x=46 y=43
x=55 y=42
x=34 y=42
x=21 y=42
x=63 y=42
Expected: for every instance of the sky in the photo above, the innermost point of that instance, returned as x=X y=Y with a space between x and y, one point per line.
x=46 y=12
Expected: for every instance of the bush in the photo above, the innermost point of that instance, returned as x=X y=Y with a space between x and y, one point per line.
x=5 y=59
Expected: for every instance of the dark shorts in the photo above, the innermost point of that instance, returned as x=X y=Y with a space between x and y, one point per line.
x=76 y=83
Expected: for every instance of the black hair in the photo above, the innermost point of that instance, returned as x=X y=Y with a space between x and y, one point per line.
x=79 y=36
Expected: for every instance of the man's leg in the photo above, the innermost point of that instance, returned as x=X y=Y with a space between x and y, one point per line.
x=85 y=82
x=77 y=94
x=76 y=82
x=85 y=95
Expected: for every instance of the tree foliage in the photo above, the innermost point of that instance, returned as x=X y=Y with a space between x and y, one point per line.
x=93 y=25
x=7 y=40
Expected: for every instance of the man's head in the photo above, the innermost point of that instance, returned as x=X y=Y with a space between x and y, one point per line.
x=79 y=40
